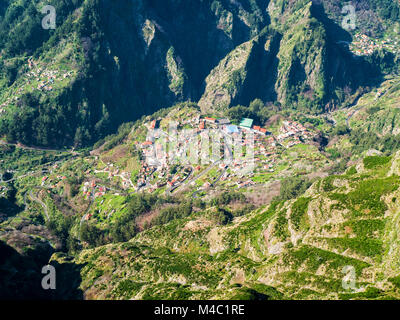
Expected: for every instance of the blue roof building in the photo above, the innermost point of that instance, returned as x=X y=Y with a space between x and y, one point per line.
x=232 y=129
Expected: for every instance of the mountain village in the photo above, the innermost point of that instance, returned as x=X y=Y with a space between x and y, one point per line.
x=363 y=45
x=165 y=166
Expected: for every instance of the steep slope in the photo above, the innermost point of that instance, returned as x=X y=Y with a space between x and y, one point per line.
x=300 y=249
x=130 y=57
x=378 y=112
x=371 y=123
x=300 y=61
x=233 y=82
x=110 y=62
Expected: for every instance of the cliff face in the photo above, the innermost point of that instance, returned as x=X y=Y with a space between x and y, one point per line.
x=299 y=60
x=130 y=58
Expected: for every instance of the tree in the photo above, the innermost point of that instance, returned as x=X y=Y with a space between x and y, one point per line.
x=91 y=234
x=256 y=105
x=292 y=187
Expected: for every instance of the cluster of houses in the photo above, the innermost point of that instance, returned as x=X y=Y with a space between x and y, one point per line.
x=146 y=171
x=52 y=182
x=292 y=133
x=113 y=171
x=246 y=124
x=179 y=177
x=364 y=45
x=46 y=85
x=91 y=189
x=164 y=176
x=166 y=172
x=213 y=122
x=13 y=98
x=45 y=78
x=160 y=160
x=244 y=184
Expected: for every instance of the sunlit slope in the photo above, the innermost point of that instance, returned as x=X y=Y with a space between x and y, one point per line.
x=295 y=249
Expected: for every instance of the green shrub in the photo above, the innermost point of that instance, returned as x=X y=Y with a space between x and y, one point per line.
x=363 y=246
x=293 y=187
x=227 y=197
x=375 y=161
x=352 y=170
x=299 y=208
x=126 y=288
x=395 y=281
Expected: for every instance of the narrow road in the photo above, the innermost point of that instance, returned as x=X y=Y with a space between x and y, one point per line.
x=170 y=190
x=351 y=115
x=36 y=199
x=200 y=175
x=2 y=142
x=376 y=102
x=230 y=158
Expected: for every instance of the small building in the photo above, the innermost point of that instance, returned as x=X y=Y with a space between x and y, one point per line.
x=260 y=130
x=231 y=129
x=224 y=121
x=202 y=125
x=206 y=185
x=147 y=143
x=154 y=124
x=246 y=123
x=208 y=119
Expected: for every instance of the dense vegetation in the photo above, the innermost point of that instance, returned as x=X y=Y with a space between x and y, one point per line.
x=311 y=208
x=114 y=83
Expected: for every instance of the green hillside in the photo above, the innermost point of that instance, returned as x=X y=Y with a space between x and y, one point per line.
x=290 y=249
x=314 y=211
x=111 y=62
x=209 y=149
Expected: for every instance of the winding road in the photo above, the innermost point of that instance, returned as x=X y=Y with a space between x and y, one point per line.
x=36 y=199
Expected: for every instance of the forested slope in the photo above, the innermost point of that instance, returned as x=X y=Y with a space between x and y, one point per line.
x=109 y=62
